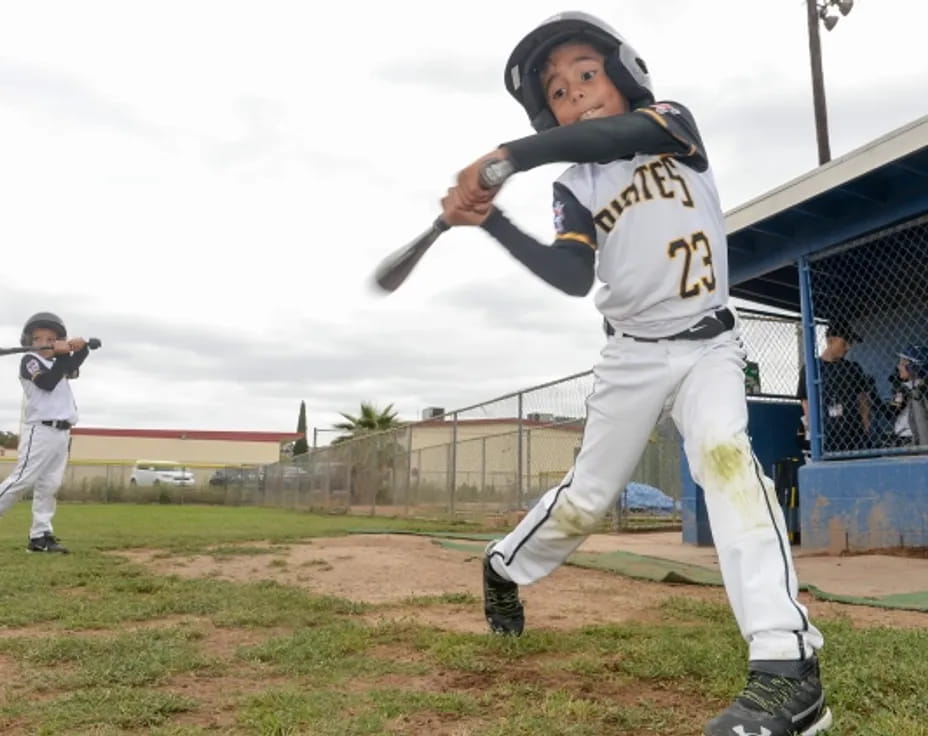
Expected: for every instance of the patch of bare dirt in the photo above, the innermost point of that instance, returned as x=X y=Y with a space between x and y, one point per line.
x=390 y=569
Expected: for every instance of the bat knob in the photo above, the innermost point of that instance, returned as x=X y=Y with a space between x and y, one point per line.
x=94 y=342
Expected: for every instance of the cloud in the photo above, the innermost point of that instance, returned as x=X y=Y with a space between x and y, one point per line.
x=65 y=96
x=439 y=71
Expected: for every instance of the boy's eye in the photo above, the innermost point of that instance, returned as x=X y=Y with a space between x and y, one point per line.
x=588 y=75
x=557 y=94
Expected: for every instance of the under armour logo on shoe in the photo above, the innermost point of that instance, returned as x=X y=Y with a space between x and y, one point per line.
x=741 y=732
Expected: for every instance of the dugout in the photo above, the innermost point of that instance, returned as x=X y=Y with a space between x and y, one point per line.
x=846 y=242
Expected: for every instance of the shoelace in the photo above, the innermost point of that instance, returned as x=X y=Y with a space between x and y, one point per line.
x=768 y=692
x=503 y=600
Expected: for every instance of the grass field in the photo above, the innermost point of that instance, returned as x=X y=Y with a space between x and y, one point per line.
x=93 y=644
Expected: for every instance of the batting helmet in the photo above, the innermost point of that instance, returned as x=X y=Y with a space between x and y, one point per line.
x=917 y=355
x=624 y=66
x=42 y=319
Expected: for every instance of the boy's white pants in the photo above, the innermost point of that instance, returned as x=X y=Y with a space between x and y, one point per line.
x=43 y=457
x=701 y=383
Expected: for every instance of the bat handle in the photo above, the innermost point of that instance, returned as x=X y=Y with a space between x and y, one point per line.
x=495 y=171
x=492 y=174
x=94 y=342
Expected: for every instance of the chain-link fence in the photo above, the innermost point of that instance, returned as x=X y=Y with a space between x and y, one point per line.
x=114 y=483
x=773 y=343
x=870 y=300
x=496 y=458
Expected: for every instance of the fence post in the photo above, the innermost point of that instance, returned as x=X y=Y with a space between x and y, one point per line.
x=375 y=485
x=408 y=467
x=483 y=465
x=813 y=385
x=519 y=456
x=418 y=473
x=454 y=459
x=528 y=461
x=392 y=454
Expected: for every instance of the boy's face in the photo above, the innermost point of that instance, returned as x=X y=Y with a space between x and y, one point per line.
x=577 y=87
x=43 y=337
x=903 y=369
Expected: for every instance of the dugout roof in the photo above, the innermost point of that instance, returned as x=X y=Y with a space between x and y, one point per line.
x=870 y=188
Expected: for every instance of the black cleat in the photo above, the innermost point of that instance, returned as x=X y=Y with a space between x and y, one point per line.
x=46 y=543
x=780 y=699
x=501 y=603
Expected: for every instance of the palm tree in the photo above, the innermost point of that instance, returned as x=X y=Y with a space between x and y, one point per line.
x=370 y=420
x=374 y=454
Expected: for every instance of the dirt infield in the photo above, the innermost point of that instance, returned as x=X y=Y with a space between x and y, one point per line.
x=392 y=569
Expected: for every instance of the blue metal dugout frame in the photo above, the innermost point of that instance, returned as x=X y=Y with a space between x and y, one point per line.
x=877 y=498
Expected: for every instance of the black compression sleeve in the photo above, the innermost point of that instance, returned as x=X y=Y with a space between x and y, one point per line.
x=47 y=380
x=594 y=141
x=569 y=267
x=78 y=357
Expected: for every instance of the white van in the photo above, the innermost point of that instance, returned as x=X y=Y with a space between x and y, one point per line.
x=160 y=472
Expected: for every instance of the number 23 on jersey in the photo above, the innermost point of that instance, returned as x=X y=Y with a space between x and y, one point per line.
x=695 y=256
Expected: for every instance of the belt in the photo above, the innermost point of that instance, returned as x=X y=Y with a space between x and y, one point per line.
x=708 y=327
x=57 y=423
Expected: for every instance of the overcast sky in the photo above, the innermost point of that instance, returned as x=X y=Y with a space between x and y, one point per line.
x=207 y=187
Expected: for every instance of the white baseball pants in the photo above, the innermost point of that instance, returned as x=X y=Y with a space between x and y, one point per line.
x=701 y=383
x=43 y=457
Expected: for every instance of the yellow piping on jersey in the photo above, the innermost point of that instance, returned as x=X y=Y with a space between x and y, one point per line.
x=663 y=123
x=579 y=237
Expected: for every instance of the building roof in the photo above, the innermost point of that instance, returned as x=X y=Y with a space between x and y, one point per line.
x=880 y=184
x=188 y=434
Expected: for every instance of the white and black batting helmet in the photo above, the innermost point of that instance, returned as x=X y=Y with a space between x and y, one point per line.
x=42 y=319
x=624 y=66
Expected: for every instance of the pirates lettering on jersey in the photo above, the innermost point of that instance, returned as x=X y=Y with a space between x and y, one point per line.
x=657 y=178
x=656 y=224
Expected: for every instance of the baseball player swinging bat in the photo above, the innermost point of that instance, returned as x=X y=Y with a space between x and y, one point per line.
x=394 y=269
x=93 y=343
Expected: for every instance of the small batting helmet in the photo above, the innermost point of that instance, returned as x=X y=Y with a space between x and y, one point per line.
x=917 y=356
x=624 y=66
x=42 y=319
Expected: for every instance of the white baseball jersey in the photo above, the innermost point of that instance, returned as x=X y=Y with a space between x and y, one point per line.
x=42 y=405
x=657 y=228
x=658 y=232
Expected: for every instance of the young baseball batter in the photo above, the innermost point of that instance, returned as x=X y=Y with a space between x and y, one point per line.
x=640 y=210
x=50 y=412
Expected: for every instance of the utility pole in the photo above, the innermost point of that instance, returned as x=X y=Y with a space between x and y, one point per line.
x=816 y=11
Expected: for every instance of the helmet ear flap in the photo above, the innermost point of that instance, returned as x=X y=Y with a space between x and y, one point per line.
x=534 y=99
x=635 y=95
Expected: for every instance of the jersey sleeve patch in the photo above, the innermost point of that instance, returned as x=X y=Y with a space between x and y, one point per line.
x=31 y=367
x=572 y=221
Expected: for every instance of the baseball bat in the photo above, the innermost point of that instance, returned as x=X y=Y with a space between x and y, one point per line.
x=393 y=270
x=93 y=343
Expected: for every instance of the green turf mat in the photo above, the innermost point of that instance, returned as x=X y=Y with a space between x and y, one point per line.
x=659 y=570
x=447 y=535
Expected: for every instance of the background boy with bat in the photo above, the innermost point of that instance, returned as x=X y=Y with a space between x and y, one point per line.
x=45 y=373
x=639 y=209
